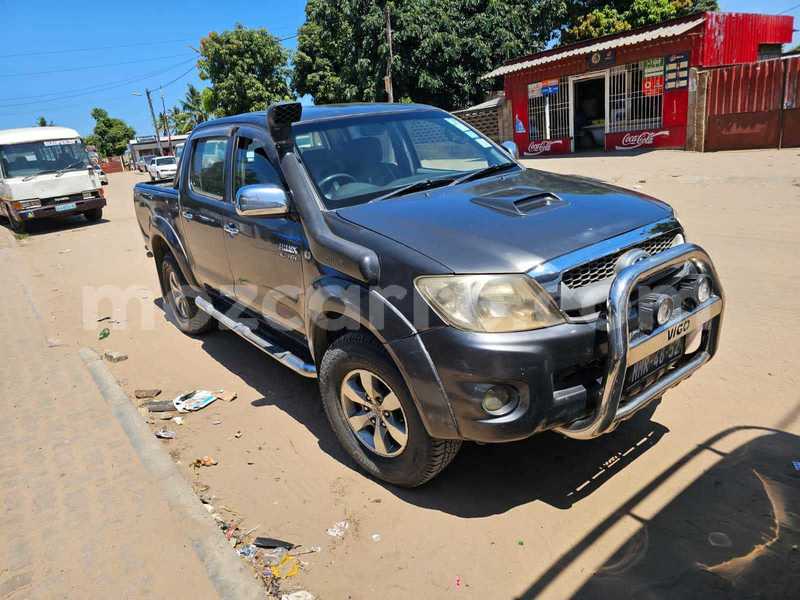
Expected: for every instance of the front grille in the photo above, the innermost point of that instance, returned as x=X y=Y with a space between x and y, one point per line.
x=603 y=268
x=61 y=199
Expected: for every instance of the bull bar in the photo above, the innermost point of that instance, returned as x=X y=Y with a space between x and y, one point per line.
x=624 y=352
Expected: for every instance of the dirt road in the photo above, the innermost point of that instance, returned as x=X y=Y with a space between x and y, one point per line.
x=676 y=504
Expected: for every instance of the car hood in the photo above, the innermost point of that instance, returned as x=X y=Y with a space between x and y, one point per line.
x=509 y=223
x=48 y=185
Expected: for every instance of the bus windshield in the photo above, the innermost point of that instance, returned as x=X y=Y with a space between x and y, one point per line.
x=34 y=158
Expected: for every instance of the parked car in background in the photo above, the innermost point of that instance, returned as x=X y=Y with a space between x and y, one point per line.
x=141 y=164
x=101 y=175
x=45 y=172
x=162 y=167
x=438 y=289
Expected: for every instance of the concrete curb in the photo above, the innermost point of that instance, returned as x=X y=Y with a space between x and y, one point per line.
x=225 y=570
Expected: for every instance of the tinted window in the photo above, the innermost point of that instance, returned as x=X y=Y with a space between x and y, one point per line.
x=207 y=174
x=251 y=165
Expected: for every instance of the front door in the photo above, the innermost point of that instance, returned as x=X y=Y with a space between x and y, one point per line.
x=265 y=252
x=203 y=212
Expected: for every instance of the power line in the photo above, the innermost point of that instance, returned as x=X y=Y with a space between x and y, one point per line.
x=94 y=48
x=790 y=9
x=62 y=95
x=129 y=62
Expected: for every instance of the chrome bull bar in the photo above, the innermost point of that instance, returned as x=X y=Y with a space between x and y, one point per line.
x=623 y=352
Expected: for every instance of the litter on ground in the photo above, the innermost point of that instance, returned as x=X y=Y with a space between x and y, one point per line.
x=193 y=400
x=206 y=461
x=165 y=434
x=115 y=357
x=338 y=529
x=265 y=542
x=143 y=394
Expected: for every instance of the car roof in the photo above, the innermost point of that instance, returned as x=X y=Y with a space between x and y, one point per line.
x=24 y=135
x=326 y=111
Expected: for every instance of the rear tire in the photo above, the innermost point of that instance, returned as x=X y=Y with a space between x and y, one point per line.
x=407 y=456
x=93 y=215
x=179 y=300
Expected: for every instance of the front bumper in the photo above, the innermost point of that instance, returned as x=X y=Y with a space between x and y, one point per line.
x=571 y=377
x=49 y=212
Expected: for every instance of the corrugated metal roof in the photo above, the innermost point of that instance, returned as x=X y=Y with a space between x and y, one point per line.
x=493 y=103
x=628 y=40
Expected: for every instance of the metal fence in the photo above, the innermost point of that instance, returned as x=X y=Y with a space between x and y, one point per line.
x=631 y=105
x=548 y=113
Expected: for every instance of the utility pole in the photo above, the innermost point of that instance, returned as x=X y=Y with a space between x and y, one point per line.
x=155 y=123
x=387 y=81
x=166 y=123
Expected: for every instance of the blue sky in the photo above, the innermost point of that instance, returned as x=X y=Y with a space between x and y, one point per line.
x=46 y=69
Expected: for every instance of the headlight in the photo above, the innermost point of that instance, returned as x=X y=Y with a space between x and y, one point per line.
x=489 y=303
x=27 y=204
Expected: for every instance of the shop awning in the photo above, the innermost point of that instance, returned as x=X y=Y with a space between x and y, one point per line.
x=628 y=40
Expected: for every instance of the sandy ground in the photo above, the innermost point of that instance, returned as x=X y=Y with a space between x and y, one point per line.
x=699 y=499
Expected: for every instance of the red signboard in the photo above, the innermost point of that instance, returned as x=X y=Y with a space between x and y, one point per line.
x=649 y=138
x=544 y=147
x=653 y=86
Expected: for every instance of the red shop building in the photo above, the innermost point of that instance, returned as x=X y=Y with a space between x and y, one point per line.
x=629 y=90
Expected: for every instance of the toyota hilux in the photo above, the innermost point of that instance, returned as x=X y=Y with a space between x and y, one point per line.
x=437 y=289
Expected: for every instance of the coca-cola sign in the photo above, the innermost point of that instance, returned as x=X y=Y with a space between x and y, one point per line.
x=632 y=141
x=542 y=147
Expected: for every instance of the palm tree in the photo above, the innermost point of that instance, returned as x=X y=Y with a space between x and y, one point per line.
x=193 y=104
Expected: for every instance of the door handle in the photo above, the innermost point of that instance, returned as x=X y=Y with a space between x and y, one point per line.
x=188 y=215
x=231 y=229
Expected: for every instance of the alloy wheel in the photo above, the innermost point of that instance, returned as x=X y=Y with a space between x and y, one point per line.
x=374 y=413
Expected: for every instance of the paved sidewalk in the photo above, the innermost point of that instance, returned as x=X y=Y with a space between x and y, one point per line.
x=80 y=515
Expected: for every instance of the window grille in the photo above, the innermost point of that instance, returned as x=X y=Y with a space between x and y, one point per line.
x=548 y=115
x=630 y=108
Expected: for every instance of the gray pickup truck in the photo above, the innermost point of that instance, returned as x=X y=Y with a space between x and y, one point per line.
x=437 y=289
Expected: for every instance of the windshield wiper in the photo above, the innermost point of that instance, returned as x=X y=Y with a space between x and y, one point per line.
x=72 y=165
x=29 y=177
x=490 y=170
x=417 y=186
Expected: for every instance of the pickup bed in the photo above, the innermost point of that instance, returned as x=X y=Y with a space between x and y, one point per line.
x=437 y=289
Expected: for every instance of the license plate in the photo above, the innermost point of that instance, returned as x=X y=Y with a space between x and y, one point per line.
x=66 y=206
x=656 y=361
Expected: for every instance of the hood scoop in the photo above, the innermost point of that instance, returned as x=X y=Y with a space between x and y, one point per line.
x=519 y=201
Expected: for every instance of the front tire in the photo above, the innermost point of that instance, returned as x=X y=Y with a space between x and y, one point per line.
x=179 y=300
x=17 y=225
x=374 y=417
x=93 y=215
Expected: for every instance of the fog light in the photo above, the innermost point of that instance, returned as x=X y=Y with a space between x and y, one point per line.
x=498 y=400
x=654 y=310
x=696 y=289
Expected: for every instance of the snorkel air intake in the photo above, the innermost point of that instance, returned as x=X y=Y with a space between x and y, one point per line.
x=326 y=247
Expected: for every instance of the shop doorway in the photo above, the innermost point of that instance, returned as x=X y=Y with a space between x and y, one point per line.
x=589 y=106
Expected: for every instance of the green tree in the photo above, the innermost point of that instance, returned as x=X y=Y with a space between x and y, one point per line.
x=247 y=69
x=111 y=135
x=594 y=18
x=440 y=47
x=193 y=104
x=42 y=122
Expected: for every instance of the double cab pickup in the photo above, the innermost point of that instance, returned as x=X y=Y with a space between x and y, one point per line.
x=437 y=289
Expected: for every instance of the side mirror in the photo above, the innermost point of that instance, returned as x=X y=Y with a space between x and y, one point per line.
x=511 y=148
x=261 y=200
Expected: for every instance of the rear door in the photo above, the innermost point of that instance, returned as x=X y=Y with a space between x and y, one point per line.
x=265 y=252
x=204 y=209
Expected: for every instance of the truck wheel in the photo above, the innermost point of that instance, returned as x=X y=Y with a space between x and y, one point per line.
x=93 y=215
x=179 y=299
x=373 y=416
x=17 y=225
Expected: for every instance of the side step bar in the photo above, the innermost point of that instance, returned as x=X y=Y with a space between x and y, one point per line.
x=286 y=358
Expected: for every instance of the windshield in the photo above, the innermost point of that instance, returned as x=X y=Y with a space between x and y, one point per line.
x=359 y=159
x=34 y=158
x=167 y=160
